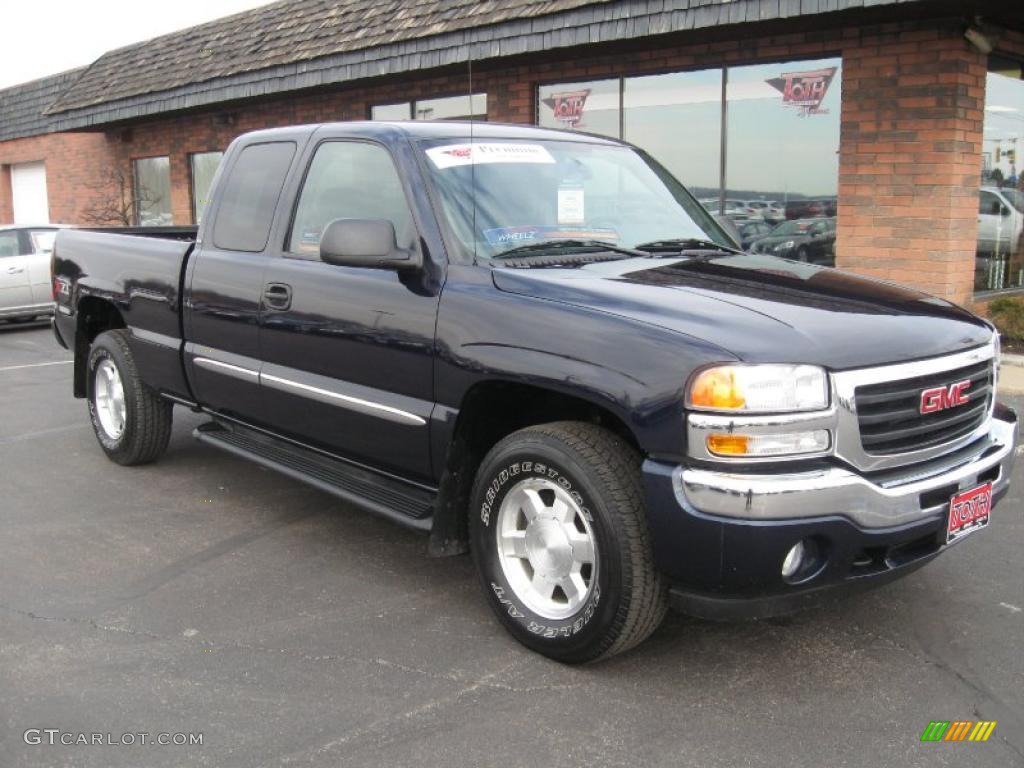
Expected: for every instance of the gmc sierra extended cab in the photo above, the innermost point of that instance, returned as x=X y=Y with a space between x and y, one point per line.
x=538 y=347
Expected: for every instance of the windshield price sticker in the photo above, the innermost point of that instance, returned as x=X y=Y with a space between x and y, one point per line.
x=570 y=205
x=481 y=153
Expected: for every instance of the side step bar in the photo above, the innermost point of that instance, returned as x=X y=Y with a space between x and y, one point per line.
x=405 y=504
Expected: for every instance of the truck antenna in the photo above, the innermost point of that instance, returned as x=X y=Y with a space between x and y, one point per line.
x=472 y=147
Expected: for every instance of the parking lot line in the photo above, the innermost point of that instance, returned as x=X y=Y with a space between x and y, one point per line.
x=35 y=365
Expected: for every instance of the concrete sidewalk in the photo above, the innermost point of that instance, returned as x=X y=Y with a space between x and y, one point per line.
x=1011 y=378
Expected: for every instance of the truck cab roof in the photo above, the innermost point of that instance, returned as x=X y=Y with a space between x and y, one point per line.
x=427 y=129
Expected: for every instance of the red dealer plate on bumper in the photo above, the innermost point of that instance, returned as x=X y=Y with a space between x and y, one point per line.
x=969 y=511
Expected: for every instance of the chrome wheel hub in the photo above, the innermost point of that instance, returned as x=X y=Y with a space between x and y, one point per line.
x=108 y=397
x=546 y=548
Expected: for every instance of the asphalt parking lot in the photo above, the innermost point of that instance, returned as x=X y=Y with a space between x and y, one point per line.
x=206 y=595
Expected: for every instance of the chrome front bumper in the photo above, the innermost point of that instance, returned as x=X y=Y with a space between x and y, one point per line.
x=876 y=500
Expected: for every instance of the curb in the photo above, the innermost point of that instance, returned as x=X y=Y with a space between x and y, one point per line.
x=1016 y=361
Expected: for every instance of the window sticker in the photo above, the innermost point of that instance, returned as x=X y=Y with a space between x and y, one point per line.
x=531 y=234
x=570 y=205
x=309 y=240
x=479 y=153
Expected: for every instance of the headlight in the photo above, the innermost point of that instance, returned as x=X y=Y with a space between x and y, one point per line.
x=785 y=246
x=759 y=389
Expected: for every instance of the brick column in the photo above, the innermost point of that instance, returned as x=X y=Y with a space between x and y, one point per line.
x=6 y=196
x=910 y=157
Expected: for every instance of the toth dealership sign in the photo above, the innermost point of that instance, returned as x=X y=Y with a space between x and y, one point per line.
x=804 y=90
x=568 y=106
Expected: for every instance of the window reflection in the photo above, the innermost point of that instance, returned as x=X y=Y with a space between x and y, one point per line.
x=204 y=166
x=782 y=153
x=152 y=188
x=1000 y=253
x=447 y=108
x=657 y=108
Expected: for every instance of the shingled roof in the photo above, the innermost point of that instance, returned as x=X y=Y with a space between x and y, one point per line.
x=22 y=106
x=295 y=44
x=285 y=32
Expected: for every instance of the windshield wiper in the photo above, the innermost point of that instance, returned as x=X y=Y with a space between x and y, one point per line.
x=678 y=244
x=549 y=247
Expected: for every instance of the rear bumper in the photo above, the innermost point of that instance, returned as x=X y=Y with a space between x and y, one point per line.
x=721 y=537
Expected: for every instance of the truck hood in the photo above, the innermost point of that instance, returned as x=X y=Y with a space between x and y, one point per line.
x=763 y=309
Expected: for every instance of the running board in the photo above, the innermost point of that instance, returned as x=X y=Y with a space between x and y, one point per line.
x=400 y=502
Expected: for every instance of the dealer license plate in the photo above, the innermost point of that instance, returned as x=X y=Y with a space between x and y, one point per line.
x=969 y=511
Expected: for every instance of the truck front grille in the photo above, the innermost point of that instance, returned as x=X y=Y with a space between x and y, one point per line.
x=890 y=415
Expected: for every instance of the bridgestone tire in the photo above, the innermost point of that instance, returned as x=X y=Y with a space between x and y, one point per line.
x=627 y=597
x=148 y=417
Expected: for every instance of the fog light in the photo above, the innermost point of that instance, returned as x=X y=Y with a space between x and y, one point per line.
x=794 y=559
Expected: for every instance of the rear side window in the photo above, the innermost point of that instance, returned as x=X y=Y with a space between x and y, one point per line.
x=349 y=180
x=9 y=243
x=249 y=196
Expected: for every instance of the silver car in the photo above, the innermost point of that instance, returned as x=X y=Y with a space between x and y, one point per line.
x=25 y=283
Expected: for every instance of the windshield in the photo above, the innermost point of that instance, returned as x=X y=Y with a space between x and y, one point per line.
x=532 y=192
x=792 y=227
x=1015 y=196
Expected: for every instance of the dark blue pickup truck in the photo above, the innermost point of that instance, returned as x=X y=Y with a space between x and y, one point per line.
x=537 y=346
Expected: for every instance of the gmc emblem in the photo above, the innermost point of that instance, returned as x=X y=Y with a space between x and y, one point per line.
x=940 y=398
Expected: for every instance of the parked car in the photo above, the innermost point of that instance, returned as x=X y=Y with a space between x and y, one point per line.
x=807 y=209
x=1000 y=220
x=1000 y=259
x=749 y=231
x=26 y=291
x=537 y=346
x=811 y=240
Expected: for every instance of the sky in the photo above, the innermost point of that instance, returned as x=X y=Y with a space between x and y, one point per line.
x=44 y=37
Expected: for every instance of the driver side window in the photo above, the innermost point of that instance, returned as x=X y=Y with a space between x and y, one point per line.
x=349 y=180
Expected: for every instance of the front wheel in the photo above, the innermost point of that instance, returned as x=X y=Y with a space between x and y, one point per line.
x=132 y=422
x=559 y=537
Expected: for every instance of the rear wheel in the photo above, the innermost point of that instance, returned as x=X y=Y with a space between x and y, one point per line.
x=132 y=422
x=559 y=537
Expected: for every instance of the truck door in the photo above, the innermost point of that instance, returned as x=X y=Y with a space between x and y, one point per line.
x=348 y=351
x=14 y=280
x=225 y=281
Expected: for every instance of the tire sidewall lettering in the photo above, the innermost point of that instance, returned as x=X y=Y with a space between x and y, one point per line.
x=500 y=483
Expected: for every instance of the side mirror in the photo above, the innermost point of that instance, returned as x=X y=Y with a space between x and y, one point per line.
x=1004 y=210
x=365 y=243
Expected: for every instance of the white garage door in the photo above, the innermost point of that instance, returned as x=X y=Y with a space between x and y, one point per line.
x=28 y=185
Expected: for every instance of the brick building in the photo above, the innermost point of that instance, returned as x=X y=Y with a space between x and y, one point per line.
x=897 y=121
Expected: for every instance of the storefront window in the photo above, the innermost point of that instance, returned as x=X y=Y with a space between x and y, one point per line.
x=204 y=166
x=401 y=111
x=452 y=108
x=999 y=263
x=658 y=107
x=777 y=160
x=782 y=150
x=153 y=191
x=594 y=107
x=447 y=108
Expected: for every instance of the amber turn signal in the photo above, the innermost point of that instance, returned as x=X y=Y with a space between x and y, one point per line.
x=728 y=445
x=718 y=389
